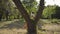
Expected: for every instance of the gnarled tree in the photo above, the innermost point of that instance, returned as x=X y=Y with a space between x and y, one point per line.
x=31 y=24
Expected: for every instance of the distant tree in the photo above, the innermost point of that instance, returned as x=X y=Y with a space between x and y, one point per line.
x=1 y=14
x=4 y=7
x=51 y=12
x=48 y=12
x=57 y=12
x=8 y=9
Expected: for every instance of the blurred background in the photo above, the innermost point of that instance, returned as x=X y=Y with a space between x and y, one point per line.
x=12 y=22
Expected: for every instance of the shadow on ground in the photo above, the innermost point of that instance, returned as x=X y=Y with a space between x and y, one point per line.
x=15 y=24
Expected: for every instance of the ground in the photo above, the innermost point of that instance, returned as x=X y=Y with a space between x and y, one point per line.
x=13 y=31
x=15 y=27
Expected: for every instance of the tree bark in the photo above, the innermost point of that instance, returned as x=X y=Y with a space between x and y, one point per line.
x=31 y=27
x=40 y=10
x=22 y=10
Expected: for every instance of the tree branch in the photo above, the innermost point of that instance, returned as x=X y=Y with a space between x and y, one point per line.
x=40 y=10
x=22 y=10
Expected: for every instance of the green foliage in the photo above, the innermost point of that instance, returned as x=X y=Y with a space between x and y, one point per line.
x=57 y=12
x=48 y=11
x=8 y=5
x=51 y=12
x=30 y=5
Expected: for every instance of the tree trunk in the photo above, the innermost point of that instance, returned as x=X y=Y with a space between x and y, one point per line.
x=31 y=28
x=31 y=24
x=0 y=17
